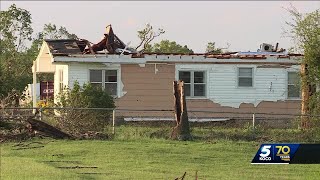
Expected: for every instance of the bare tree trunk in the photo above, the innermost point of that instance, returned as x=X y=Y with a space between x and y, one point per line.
x=182 y=129
x=305 y=94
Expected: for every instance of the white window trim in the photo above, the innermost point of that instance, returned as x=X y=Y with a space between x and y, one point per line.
x=287 y=89
x=61 y=80
x=253 y=77
x=206 y=80
x=103 y=78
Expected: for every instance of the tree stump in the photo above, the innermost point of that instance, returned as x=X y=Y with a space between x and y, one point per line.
x=182 y=129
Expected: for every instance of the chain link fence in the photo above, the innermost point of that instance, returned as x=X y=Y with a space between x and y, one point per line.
x=154 y=123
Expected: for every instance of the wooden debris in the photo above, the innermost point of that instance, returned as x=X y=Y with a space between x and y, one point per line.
x=77 y=167
x=92 y=173
x=182 y=177
x=28 y=147
x=196 y=175
x=61 y=161
x=35 y=125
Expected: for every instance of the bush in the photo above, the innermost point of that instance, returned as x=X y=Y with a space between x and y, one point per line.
x=81 y=121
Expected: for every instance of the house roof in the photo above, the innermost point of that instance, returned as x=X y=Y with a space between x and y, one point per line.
x=171 y=59
x=71 y=50
x=73 y=47
x=65 y=46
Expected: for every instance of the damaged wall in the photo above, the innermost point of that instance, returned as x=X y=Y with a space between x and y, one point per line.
x=149 y=86
x=269 y=84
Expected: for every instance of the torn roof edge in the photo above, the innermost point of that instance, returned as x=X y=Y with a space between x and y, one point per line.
x=55 y=52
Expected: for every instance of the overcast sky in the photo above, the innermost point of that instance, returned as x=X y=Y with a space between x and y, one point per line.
x=243 y=24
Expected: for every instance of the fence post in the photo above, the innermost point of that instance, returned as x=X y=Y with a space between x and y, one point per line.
x=40 y=113
x=113 y=120
x=253 y=120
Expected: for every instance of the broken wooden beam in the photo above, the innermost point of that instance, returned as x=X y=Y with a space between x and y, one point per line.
x=182 y=129
x=36 y=125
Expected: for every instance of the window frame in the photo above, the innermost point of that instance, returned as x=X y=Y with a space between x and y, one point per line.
x=96 y=82
x=192 y=83
x=61 y=84
x=287 y=87
x=103 y=80
x=252 y=77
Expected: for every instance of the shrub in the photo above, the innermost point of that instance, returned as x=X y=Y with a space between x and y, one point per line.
x=81 y=121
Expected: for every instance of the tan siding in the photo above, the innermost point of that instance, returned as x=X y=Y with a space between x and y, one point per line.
x=145 y=89
x=149 y=91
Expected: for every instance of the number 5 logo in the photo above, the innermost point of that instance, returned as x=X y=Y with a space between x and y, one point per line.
x=265 y=151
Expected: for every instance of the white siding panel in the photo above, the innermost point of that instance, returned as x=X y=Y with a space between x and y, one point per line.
x=269 y=84
x=80 y=72
x=56 y=82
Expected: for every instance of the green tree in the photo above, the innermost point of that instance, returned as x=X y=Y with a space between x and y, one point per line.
x=15 y=31
x=211 y=48
x=50 y=31
x=305 y=31
x=146 y=36
x=166 y=46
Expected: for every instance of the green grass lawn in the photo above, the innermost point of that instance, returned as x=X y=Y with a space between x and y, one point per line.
x=143 y=159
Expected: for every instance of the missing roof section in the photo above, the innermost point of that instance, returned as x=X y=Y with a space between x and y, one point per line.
x=63 y=46
x=110 y=43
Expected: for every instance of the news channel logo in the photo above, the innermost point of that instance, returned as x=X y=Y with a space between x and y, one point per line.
x=275 y=153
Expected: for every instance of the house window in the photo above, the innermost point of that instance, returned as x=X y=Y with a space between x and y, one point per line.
x=105 y=79
x=96 y=78
x=111 y=81
x=245 y=77
x=60 y=80
x=194 y=83
x=293 y=85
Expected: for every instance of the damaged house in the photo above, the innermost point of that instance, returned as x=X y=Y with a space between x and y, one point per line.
x=257 y=82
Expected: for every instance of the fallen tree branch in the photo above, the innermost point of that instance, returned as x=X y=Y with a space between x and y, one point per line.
x=35 y=125
x=182 y=177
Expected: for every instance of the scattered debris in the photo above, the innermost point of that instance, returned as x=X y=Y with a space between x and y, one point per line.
x=93 y=135
x=59 y=155
x=61 y=161
x=182 y=177
x=21 y=146
x=28 y=147
x=77 y=167
x=36 y=125
x=110 y=42
x=196 y=175
x=92 y=173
